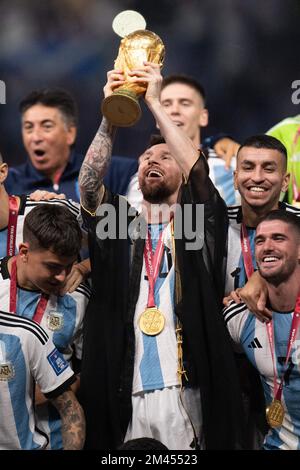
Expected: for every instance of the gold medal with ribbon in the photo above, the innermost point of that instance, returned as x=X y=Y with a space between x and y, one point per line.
x=275 y=414
x=152 y=321
x=275 y=411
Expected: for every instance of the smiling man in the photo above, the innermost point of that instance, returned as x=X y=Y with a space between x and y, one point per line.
x=159 y=177
x=260 y=176
x=273 y=349
x=183 y=99
x=156 y=361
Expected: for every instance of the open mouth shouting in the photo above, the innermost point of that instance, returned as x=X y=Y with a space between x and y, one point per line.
x=39 y=153
x=154 y=174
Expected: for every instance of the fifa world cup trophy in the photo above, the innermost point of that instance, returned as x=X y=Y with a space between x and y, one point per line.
x=122 y=108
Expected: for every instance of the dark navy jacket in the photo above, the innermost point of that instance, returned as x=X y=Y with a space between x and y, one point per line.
x=24 y=179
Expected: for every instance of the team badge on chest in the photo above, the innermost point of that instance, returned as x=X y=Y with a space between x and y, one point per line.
x=7 y=371
x=55 y=321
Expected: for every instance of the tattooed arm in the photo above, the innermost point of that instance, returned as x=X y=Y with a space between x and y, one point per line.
x=72 y=420
x=98 y=156
x=40 y=398
x=95 y=166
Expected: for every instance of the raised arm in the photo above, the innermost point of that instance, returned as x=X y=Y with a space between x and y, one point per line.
x=98 y=156
x=72 y=420
x=180 y=145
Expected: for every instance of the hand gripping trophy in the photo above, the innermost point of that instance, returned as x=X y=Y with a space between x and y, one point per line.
x=122 y=108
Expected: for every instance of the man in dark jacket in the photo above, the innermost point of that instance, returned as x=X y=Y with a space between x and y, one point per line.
x=49 y=128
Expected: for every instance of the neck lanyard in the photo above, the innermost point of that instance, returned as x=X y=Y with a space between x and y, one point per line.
x=56 y=179
x=152 y=263
x=293 y=331
x=246 y=251
x=42 y=304
x=12 y=226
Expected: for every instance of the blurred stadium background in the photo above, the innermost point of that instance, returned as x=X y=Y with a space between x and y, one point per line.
x=245 y=53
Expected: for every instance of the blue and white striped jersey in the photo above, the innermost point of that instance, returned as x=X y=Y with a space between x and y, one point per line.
x=155 y=365
x=63 y=322
x=235 y=270
x=246 y=330
x=27 y=356
x=223 y=178
x=26 y=205
x=63 y=317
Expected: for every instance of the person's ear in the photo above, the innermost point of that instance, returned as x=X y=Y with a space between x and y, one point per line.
x=23 y=251
x=3 y=172
x=203 y=117
x=235 y=180
x=71 y=136
x=285 y=182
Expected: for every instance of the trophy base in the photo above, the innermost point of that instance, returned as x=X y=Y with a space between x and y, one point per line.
x=122 y=108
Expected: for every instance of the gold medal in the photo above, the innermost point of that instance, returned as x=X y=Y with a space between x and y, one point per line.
x=151 y=321
x=275 y=414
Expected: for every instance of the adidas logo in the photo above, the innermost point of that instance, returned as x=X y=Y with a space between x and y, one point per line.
x=254 y=344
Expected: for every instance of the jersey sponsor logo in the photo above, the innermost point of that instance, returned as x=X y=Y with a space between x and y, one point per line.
x=55 y=320
x=57 y=361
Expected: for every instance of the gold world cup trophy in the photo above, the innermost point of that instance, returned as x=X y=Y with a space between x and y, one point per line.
x=122 y=108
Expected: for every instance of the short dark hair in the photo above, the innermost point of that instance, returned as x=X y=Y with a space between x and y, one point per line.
x=1 y=159
x=185 y=80
x=52 y=227
x=54 y=98
x=284 y=216
x=264 y=141
x=156 y=139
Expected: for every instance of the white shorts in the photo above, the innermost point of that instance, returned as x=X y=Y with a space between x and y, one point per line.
x=160 y=414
